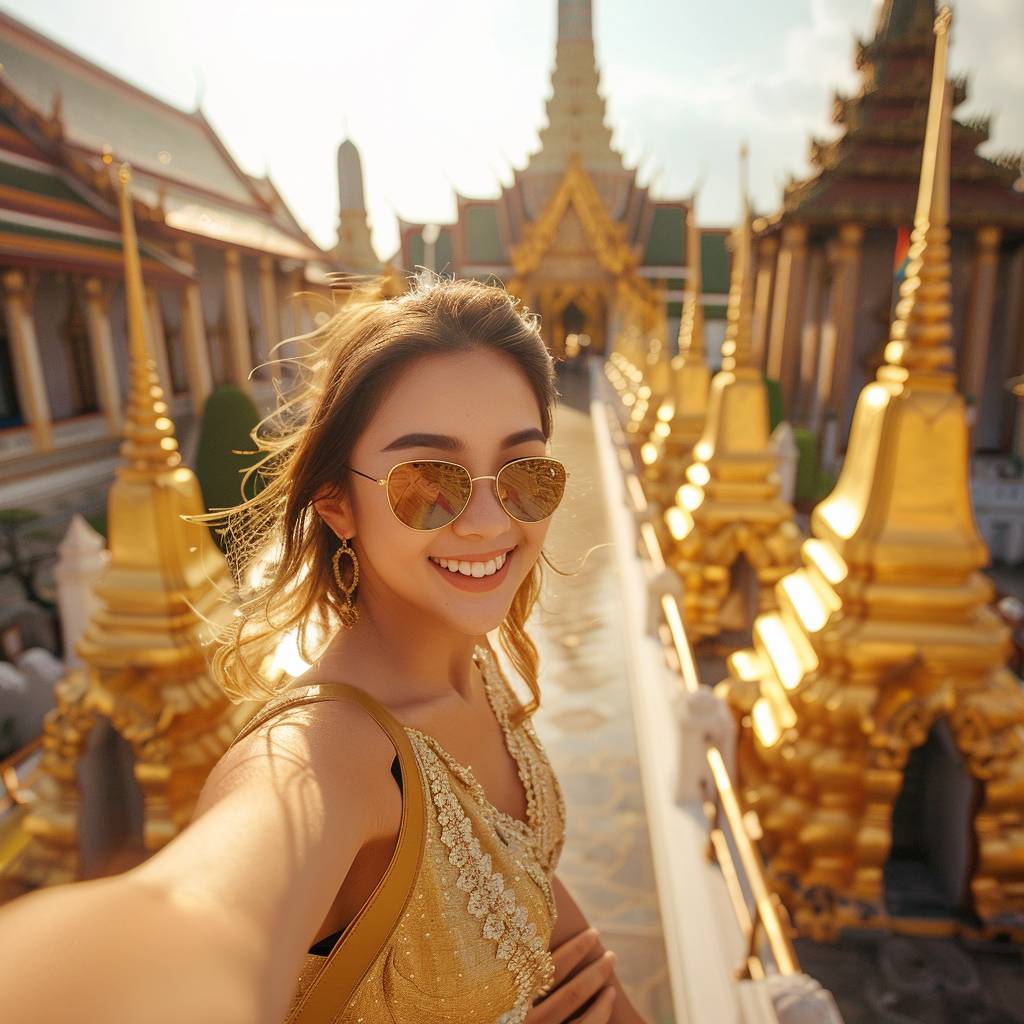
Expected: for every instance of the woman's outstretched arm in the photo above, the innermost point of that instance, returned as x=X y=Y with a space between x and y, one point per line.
x=214 y=927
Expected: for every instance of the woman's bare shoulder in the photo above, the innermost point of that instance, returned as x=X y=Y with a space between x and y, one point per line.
x=333 y=746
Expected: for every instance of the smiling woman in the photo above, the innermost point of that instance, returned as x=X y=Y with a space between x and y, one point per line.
x=380 y=842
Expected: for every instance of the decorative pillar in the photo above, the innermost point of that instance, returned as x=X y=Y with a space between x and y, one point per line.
x=788 y=312
x=101 y=346
x=28 y=368
x=269 y=313
x=767 y=252
x=159 y=341
x=810 y=341
x=240 y=351
x=1013 y=418
x=845 y=255
x=193 y=336
x=978 y=332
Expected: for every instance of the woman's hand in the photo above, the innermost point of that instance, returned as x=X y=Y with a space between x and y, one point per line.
x=572 y=989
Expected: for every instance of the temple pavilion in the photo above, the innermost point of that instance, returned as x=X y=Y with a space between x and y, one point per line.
x=576 y=235
x=831 y=258
x=222 y=258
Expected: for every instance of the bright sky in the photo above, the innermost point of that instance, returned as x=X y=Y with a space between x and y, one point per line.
x=449 y=95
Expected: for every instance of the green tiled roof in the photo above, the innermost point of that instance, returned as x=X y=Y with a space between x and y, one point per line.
x=480 y=231
x=665 y=242
x=30 y=180
x=715 y=262
x=31 y=231
x=714 y=312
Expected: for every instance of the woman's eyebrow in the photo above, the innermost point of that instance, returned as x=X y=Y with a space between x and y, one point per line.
x=453 y=444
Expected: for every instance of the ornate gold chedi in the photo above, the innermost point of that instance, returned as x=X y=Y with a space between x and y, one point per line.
x=729 y=506
x=145 y=672
x=680 y=420
x=885 y=642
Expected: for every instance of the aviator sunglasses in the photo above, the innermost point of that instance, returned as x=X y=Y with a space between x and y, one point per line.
x=431 y=493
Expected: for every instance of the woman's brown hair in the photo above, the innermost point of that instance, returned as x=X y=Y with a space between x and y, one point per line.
x=279 y=548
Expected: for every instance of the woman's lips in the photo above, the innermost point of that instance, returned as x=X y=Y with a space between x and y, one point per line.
x=475 y=584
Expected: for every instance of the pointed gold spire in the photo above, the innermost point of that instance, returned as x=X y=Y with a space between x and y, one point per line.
x=886 y=638
x=922 y=331
x=149 y=443
x=691 y=326
x=737 y=347
x=670 y=443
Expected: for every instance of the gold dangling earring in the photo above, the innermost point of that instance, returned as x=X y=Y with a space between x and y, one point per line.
x=349 y=613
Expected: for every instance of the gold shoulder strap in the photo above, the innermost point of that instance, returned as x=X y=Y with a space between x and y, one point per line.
x=355 y=952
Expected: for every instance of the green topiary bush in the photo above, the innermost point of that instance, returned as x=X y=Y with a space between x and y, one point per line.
x=776 y=414
x=225 y=449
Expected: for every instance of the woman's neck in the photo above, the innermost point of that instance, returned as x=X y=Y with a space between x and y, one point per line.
x=401 y=659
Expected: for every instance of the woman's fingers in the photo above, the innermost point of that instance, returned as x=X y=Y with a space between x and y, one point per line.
x=562 y=1002
x=601 y=1011
x=571 y=953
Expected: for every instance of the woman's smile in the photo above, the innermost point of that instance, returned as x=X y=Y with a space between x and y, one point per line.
x=475 y=574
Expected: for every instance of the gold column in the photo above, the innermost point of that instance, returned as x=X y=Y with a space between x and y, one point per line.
x=887 y=630
x=159 y=340
x=143 y=654
x=101 y=347
x=767 y=253
x=270 y=314
x=729 y=507
x=28 y=368
x=810 y=341
x=238 y=319
x=845 y=256
x=788 y=312
x=193 y=335
x=978 y=334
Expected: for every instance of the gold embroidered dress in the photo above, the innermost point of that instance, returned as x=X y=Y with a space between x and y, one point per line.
x=472 y=947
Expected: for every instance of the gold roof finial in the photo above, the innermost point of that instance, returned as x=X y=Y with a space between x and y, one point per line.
x=691 y=327
x=149 y=442
x=736 y=349
x=922 y=331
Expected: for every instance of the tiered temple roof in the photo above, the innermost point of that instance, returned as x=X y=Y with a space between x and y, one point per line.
x=82 y=116
x=869 y=173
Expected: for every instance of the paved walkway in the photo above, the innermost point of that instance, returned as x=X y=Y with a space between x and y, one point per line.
x=586 y=724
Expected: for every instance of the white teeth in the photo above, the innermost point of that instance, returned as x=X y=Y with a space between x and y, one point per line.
x=474 y=569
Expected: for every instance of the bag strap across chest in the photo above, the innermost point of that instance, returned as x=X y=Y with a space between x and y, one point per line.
x=354 y=953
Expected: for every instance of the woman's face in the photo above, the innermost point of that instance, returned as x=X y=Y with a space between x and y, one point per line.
x=474 y=408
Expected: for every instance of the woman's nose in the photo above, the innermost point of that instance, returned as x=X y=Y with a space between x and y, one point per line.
x=484 y=515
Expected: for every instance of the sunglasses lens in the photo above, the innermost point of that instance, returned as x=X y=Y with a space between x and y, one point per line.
x=530 y=489
x=428 y=495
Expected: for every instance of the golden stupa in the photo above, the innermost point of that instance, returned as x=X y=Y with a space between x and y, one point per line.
x=144 y=683
x=880 y=728
x=729 y=509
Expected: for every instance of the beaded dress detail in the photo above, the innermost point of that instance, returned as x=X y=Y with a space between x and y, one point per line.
x=472 y=946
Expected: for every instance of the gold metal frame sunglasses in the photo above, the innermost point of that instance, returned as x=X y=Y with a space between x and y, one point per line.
x=431 y=493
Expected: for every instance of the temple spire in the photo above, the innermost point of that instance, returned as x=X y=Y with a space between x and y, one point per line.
x=149 y=446
x=575 y=21
x=921 y=333
x=736 y=349
x=899 y=19
x=691 y=326
x=576 y=109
